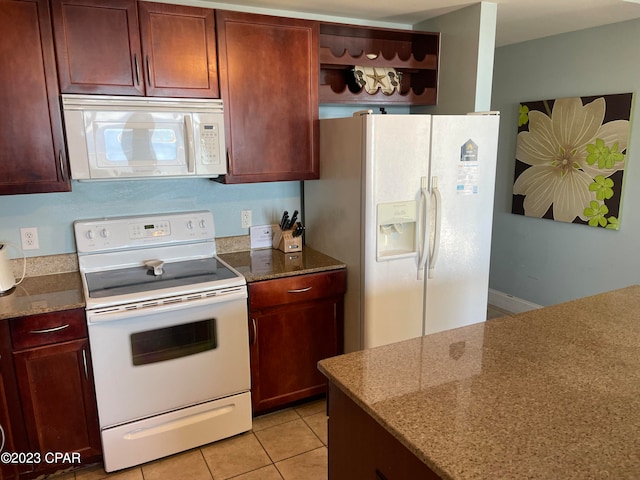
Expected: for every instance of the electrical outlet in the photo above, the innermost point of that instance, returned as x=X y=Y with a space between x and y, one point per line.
x=245 y=218
x=29 y=238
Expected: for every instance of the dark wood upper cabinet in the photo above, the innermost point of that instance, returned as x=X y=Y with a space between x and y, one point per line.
x=32 y=153
x=98 y=46
x=179 y=48
x=124 y=47
x=269 y=85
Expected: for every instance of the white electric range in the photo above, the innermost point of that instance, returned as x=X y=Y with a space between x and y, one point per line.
x=167 y=322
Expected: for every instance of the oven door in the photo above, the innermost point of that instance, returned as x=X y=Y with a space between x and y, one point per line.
x=157 y=359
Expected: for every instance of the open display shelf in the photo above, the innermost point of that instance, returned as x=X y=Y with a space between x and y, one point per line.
x=413 y=54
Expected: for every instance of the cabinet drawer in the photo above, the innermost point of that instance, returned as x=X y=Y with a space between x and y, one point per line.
x=298 y=288
x=46 y=328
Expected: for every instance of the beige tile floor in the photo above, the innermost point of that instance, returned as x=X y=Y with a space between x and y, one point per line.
x=290 y=444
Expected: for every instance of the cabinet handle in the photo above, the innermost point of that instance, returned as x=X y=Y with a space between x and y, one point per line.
x=300 y=290
x=61 y=160
x=191 y=152
x=229 y=163
x=3 y=439
x=84 y=362
x=50 y=330
x=255 y=331
x=148 y=72
x=136 y=68
x=379 y=475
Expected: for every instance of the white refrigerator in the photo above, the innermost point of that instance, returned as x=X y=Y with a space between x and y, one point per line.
x=406 y=202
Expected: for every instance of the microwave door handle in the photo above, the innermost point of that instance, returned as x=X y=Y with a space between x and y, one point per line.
x=190 y=150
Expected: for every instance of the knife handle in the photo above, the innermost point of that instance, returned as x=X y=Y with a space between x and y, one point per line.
x=292 y=222
x=283 y=220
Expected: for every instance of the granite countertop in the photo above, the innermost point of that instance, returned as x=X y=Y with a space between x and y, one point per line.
x=63 y=291
x=550 y=393
x=42 y=294
x=267 y=264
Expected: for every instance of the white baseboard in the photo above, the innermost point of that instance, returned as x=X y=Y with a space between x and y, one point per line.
x=509 y=303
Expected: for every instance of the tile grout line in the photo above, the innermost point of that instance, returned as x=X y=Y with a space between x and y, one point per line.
x=312 y=430
x=205 y=462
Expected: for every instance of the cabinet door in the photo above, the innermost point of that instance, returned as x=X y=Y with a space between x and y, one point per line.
x=269 y=84
x=12 y=435
x=58 y=400
x=98 y=46
x=179 y=50
x=6 y=438
x=32 y=153
x=286 y=346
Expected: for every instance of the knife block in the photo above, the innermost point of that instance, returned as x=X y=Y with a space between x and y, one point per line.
x=284 y=241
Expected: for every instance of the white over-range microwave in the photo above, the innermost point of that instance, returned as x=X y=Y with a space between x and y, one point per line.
x=117 y=138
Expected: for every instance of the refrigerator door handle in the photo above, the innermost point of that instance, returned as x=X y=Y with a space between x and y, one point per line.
x=435 y=193
x=424 y=238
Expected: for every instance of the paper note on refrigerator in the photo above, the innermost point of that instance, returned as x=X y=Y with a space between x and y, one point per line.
x=467 y=178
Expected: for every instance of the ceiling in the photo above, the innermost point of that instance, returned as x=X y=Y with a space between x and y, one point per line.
x=518 y=20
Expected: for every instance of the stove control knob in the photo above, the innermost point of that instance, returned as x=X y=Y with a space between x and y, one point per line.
x=202 y=224
x=104 y=233
x=190 y=225
x=89 y=234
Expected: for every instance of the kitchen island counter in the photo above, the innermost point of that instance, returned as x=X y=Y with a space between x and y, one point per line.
x=550 y=393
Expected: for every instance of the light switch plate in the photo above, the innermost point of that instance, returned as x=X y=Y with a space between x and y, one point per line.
x=261 y=236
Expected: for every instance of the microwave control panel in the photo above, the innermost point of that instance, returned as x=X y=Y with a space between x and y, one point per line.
x=210 y=144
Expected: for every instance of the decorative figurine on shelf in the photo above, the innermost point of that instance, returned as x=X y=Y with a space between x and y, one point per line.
x=374 y=79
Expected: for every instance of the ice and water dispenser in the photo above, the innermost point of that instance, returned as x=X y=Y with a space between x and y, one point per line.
x=396 y=227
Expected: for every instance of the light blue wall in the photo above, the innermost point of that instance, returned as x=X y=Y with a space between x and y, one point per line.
x=54 y=213
x=540 y=260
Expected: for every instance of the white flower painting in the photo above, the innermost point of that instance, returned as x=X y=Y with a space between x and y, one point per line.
x=570 y=159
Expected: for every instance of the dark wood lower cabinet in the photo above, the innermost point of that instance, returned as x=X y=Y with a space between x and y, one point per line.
x=56 y=390
x=59 y=402
x=12 y=435
x=359 y=447
x=294 y=322
x=7 y=470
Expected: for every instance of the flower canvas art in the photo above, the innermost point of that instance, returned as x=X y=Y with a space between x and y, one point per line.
x=571 y=155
